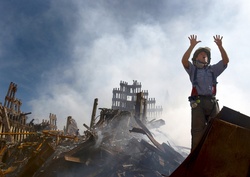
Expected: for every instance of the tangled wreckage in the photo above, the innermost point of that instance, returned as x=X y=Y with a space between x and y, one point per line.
x=117 y=143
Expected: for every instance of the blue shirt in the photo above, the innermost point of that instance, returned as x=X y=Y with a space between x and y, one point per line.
x=204 y=78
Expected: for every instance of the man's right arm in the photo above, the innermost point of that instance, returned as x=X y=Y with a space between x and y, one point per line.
x=186 y=56
x=193 y=42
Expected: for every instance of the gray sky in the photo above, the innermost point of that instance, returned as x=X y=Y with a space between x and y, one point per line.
x=63 y=54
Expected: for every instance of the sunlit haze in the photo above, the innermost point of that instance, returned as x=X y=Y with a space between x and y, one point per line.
x=64 y=54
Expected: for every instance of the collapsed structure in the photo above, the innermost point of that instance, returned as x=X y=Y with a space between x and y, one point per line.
x=13 y=122
x=125 y=96
x=115 y=146
x=116 y=143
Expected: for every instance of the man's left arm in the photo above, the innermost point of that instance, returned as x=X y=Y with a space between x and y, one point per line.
x=218 y=41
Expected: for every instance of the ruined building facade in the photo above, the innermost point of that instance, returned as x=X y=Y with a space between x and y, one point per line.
x=13 y=125
x=13 y=122
x=124 y=98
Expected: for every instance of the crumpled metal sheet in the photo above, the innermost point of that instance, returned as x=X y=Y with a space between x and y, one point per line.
x=223 y=151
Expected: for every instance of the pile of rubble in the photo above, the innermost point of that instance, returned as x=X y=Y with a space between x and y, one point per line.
x=114 y=148
x=116 y=144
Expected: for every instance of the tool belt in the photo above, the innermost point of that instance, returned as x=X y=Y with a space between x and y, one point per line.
x=195 y=100
x=206 y=97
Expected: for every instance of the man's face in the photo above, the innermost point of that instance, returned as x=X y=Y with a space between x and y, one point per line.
x=202 y=57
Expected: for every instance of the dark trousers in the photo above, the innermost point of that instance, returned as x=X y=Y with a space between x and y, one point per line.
x=206 y=109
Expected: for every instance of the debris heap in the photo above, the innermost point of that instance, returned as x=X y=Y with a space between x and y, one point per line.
x=117 y=143
x=117 y=146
